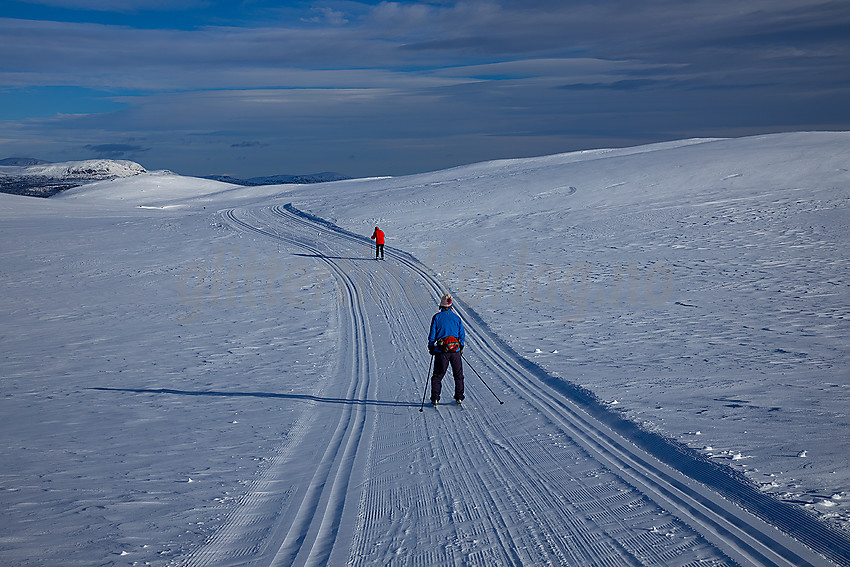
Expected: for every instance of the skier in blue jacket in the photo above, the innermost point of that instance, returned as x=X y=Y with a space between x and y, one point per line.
x=445 y=342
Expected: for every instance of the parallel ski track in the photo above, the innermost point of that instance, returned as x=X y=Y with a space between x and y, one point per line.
x=744 y=537
x=310 y=538
x=311 y=535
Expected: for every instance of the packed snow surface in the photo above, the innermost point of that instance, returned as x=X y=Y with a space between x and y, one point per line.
x=198 y=374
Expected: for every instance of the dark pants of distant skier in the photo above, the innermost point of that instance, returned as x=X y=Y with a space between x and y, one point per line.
x=379 y=251
x=442 y=361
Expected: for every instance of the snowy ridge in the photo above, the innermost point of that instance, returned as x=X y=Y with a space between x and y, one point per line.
x=86 y=169
x=89 y=170
x=45 y=180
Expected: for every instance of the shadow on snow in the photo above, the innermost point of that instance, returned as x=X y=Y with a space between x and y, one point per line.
x=306 y=397
x=335 y=257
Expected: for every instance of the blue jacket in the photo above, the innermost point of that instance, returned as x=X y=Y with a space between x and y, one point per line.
x=446 y=323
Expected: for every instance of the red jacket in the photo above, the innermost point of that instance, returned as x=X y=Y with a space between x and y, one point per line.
x=378 y=236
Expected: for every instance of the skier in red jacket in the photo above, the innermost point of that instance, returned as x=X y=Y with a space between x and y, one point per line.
x=378 y=237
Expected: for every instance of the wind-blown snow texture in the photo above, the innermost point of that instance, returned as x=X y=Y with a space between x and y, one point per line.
x=192 y=375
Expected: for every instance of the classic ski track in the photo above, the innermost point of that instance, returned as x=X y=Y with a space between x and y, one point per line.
x=310 y=537
x=539 y=546
x=540 y=543
x=525 y=497
x=740 y=535
x=241 y=535
x=495 y=522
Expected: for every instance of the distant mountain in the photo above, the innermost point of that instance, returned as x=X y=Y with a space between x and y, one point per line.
x=323 y=177
x=38 y=178
x=20 y=176
x=22 y=161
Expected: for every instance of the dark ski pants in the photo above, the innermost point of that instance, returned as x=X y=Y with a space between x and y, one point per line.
x=379 y=251
x=442 y=360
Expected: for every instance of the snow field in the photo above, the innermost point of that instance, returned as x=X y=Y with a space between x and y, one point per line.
x=192 y=375
x=135 y=409
x=674 y=277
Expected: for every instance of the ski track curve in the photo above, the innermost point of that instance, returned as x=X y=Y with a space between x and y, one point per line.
x=539 y=480
x=277 y=523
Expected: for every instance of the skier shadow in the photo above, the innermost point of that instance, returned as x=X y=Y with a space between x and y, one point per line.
x=333 y=257
x=307 y=397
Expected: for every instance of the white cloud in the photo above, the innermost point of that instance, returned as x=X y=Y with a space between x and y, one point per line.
x=471 y=70
x=324 y=15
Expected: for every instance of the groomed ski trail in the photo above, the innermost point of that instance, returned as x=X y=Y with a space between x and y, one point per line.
x=536 y=481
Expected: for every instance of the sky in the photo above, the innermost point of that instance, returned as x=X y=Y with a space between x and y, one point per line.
x=364 y=88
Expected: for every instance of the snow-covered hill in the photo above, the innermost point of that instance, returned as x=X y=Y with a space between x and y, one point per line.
x=37 y=178
x=194 y=376
x=92 y=169
x=46 y=179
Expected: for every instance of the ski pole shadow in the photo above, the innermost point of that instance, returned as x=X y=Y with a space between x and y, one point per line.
x=303 y=397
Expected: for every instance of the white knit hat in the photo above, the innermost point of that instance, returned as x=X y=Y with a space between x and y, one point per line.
x=446 y=301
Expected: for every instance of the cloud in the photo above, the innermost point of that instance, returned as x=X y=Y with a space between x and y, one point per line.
x=324 y=15
x=115 y=151
x=394 y=37
x=471 y=73
x=248 y=145
x=624 y=85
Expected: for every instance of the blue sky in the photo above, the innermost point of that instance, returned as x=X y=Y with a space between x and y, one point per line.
x=255 y=88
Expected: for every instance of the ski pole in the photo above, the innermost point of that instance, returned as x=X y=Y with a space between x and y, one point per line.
x=482 y=379
x=427 y=381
